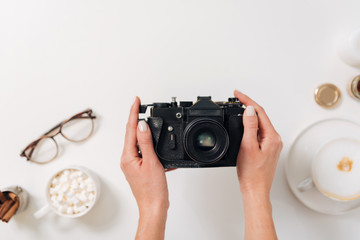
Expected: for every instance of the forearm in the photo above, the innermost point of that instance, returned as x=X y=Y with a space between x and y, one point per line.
x=152 y=225
x=259 y=223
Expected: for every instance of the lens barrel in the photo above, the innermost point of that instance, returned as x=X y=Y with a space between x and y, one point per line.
x=205 y=140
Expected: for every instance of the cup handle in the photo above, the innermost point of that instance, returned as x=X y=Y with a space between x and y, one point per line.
x=42 y=211
x=305 y=185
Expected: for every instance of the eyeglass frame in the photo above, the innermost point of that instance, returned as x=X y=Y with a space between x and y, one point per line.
x=48 y=134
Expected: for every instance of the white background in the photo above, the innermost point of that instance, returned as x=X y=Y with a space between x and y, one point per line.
x=59 y=57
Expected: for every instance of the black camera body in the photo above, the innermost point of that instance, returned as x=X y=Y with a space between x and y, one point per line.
x=203 y=134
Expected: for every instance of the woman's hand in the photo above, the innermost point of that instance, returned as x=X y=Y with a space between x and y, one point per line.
x=146 y=177
x=256 y=163
x=259 y=151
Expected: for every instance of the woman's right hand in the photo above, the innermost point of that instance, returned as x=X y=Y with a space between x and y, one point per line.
x=259 y=151
x=256 y=164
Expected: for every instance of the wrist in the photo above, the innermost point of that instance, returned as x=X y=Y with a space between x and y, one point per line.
x=251 y=190
x=255 y=196
x=259 y=195
x=257 y=200
x=154 y=210
x=152 y=221
x=155 y=219
x=259 y=223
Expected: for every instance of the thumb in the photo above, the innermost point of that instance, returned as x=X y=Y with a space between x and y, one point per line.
x=145 y=140
x=250 y=121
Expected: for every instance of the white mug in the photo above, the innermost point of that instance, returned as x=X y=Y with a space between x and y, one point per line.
x=335 y=170
x=349 y=48
x=50 y=206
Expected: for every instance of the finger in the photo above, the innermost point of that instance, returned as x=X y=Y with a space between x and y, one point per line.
x=264 y=121
x=130 y=145
x=145 y=141
x=251 y=126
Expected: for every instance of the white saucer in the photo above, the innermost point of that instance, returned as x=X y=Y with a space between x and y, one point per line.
x=298 y=163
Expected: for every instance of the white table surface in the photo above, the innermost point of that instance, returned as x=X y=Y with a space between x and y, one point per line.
x=60 y=57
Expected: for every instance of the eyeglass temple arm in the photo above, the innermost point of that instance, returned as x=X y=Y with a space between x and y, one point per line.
x=28 y=157
x=31 y=152
x=92 y=117
x=53 y=128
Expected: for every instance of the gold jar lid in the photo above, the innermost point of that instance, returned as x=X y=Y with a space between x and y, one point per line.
x=354 y=87
x=327 y=95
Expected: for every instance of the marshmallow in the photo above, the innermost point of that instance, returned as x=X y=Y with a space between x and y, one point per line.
x=82 y=197
x=70 y=194
x=60 y=199
x=69 y=210
x=76 y=202
x=91 y=196
x=53 y=198
x=85 y=193
x=64 y=179
x=82 y=208
x=90 y=188
x=80 y=173
x=65 y=187
x=62 y=209
x=82 y=185
x=89 y=181
x=56 y=205
x=52 y=191
x=57 y=188
x=55 y=181
x=76 y=210
x=74 y=187
x=73 y=175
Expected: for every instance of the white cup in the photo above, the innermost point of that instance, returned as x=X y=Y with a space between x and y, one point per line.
x=336 y=170
x=349 y=48
x=50 y=204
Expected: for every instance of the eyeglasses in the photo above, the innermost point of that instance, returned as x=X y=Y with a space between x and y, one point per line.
x=77 y=128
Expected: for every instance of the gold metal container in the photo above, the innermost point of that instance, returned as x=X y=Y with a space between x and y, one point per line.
x=327 y=95
x=354 y=87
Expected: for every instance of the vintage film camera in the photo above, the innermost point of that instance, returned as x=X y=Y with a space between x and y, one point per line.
x=196 y=135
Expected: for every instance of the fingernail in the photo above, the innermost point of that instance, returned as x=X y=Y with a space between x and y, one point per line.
x=134 y=99
x=142 y=126
x=250 y=111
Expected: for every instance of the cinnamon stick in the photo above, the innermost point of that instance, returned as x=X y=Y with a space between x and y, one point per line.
x=11 y=212
x=5 y=207
x=2 y=197
x=12 y=196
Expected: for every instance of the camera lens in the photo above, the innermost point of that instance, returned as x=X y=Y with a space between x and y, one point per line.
x=205 y=140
